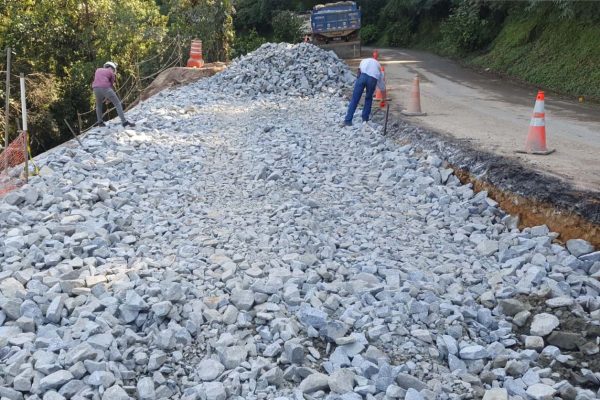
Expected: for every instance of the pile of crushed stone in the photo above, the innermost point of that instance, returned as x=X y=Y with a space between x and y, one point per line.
x=282 y=68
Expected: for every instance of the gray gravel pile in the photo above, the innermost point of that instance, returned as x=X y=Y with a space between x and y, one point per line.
x=294 y=70
x=242 y=248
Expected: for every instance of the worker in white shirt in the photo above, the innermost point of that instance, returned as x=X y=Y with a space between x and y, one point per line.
x=369 y=76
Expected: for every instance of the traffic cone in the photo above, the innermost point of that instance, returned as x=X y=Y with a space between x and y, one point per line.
x=378 y=93
x=414 y=104
x=195 y=60
x=376 y=54
x=536 y=138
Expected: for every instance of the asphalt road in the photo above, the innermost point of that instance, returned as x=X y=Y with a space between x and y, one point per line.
x=495 y=113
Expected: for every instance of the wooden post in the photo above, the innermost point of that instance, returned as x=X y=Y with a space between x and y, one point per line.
x=7 y=105
x=79 y=122
x=179 y=53
x=24 y=116
x=138 y=83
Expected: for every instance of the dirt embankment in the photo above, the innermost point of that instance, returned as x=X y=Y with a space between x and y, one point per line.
x=178 y=76
x=536 y=198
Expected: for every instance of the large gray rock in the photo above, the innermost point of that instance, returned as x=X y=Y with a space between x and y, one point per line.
x=215 y=391
x=209 y=369
x=579 y=247
x=539 y=391
x=101 y=378
x=115 y=392
x=475 y=352
x=496 y=394
x=233 y=356
x=543 y=324
x=341 y=381
x=512 y=307
x=145 y=389
x=314 y=382
x=242 y=299
x=487 y=247
x=312 y=317
x=406 y=381
x=54 y=312
x=412 y=394
x=55 y=380
x=9 y=393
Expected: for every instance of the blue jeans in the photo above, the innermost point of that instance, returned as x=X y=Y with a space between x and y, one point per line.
x=362 y=82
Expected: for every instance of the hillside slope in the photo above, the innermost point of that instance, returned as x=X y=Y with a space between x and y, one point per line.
x=561 y=56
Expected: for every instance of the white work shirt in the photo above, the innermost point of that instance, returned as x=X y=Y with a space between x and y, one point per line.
x=371 y=67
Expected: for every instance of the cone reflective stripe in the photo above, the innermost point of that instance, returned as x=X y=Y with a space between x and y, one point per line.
x=378 y=93
x=195 y=60
x=536 y=138
x=414 y=103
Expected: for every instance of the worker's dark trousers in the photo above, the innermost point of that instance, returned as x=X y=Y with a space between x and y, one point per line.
x=107 y=93
x=362 y=82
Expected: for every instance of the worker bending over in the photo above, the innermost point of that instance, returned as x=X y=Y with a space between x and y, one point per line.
x=104 y=79
x=369 y=76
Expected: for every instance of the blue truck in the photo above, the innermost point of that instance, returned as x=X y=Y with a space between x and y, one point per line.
x=335 y=22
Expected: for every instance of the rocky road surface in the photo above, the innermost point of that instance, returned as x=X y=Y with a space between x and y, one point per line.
x=494 y=114
x=239 y=244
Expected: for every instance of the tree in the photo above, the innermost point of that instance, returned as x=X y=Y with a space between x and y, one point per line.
x=208 y=20
x=66 y=44
x=287 y=27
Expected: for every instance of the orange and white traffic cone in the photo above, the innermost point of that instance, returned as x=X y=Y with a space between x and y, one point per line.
x=378 y=93
x=414 y=104
x=536 y=138
x=195 y=60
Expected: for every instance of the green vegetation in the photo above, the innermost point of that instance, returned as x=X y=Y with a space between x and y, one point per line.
x=247 y=42
x=552 y=44
x=59 y=48
x=559 y=55
x=287 y=27
x=369 y=34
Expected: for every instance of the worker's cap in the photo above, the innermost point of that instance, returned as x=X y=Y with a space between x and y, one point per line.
x=110 y=64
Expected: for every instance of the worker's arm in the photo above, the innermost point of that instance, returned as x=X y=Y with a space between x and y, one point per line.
x=112 y=79
x=381 y=84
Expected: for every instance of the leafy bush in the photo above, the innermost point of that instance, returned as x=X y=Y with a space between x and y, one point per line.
x=70 y=43
x=287 y=27
x=399 y=34
x=244 y=44
x=464 y=30
x=369 y=34
x=208 y=20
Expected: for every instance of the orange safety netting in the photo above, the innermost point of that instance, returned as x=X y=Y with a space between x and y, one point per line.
x=13 y=155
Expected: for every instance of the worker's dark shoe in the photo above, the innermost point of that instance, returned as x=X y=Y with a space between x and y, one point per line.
x=127 y=123
x=100 y=124
x=346 y=124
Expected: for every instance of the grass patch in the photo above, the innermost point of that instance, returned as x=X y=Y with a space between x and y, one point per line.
x=561 y=55
x=558 y=55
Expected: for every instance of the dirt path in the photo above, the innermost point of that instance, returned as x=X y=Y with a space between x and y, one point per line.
x=494 y=114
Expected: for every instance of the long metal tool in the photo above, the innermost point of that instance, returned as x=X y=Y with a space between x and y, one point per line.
x=73 y=133
x=387 y=112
